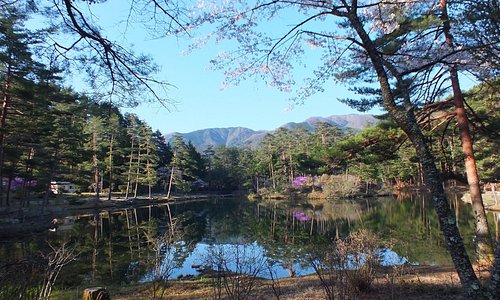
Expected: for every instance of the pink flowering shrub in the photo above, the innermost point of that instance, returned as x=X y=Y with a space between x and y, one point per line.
x=300 y=182
x=17 y=183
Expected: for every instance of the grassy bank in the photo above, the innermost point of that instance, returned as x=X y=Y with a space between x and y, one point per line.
x=416 y=282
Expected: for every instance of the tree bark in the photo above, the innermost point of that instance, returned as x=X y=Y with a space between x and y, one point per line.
x=129 y=174
x=138 y=170
x=110 y=161
x=96 y=167
x=484 y=244
x=96 y=293
x=148 y=166
x=3 y=121
x=404 y=116
x=171 y=178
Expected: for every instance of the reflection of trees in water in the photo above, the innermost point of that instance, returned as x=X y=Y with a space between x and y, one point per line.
x=412 y=225
x=286 y=237
x=32 y=273
x=408 y=222
x=114 y=247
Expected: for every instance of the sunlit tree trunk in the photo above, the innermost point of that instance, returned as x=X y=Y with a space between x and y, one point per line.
x=405 y=118
x=110 y=162
x=137 y=171
x=129 y=173
x=150 y=161
x=271 y=168
x=484 y=244
x=171 y=180
x=96 y=166
x=149 y=176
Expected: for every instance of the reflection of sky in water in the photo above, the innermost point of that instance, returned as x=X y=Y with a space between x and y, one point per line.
x=198 y=256
x=390 y=258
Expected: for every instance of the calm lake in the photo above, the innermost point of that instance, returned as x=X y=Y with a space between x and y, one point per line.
x=115 y=247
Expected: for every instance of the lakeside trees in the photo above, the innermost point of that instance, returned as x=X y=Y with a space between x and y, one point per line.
x=49 y=132
x=396 y=48
x=59 y=134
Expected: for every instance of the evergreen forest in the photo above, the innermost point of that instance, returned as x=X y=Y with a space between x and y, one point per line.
x=407 y=58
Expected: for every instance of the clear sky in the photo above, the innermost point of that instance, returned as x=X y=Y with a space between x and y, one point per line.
x=201 y=103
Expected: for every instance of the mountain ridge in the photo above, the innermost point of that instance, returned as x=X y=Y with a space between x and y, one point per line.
x=246 y=137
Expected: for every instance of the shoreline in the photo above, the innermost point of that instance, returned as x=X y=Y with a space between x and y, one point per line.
x=416 y=282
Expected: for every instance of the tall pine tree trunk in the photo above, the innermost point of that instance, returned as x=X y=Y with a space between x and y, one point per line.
x=129 y=173
x=96 y=167
x=110 y=161
x=3 y=122
x=137 y=171
x=271 y=168
x=171 y=180
x=484 y=244
x=148 y=166
x=404 y=116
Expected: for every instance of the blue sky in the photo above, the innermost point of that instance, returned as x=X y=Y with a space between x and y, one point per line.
x=200 y=101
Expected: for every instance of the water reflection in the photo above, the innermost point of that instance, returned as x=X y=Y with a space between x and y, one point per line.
x=115 y=249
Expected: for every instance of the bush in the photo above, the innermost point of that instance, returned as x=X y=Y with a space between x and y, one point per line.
x=234 y=269
x=348 y=266
x=339 y=185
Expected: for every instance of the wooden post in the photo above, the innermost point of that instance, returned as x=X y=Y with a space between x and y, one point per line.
x=95 y=293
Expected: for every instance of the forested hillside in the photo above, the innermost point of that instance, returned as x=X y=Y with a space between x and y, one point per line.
x=248 y=138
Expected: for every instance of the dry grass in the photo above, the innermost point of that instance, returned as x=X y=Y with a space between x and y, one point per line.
x=415 y=283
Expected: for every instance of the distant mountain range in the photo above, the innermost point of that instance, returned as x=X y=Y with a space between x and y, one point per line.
x=245 y=137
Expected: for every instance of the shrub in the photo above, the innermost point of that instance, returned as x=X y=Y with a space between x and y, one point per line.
x=339 y=185
x=348 y=266
x=234 y=269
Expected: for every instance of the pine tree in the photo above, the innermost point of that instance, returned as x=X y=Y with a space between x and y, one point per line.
x=17 y=66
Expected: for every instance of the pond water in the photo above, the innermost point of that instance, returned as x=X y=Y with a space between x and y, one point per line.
x=118 y=247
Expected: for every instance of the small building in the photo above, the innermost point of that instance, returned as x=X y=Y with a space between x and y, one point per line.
x=59 y=187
